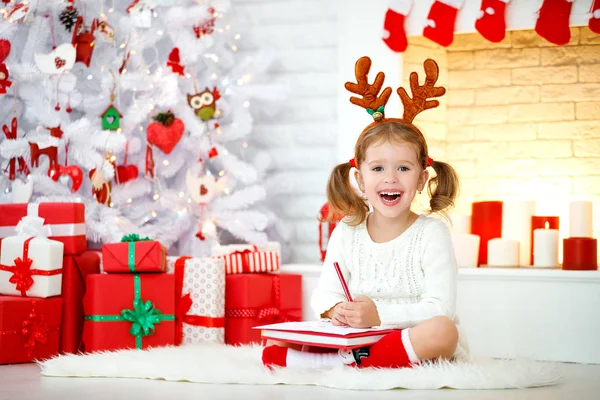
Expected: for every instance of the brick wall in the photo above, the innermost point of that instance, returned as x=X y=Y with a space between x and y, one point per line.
x=302 y=138
x=521 y=118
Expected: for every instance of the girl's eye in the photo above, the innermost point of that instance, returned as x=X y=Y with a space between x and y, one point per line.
x=378 y=169
x=404 y=169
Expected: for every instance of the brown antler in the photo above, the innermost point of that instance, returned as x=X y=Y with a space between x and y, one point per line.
x=419 y=102
x=370 y=100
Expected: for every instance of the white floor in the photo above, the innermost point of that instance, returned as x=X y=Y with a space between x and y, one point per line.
x=24 y=382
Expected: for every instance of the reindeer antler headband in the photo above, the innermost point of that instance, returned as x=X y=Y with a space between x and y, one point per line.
x=375 y=103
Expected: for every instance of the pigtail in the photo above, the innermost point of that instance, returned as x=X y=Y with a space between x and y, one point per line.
x=342 y=197
x=443 y=188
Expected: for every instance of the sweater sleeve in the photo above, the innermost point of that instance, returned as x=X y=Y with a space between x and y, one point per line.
x=329 y=290
x=439 y=283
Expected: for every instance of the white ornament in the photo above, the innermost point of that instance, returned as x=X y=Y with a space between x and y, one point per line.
x=22 y=191
x=140 y=14
x=107 y=31
x=59 y=60
x=17 y=13
x=201 y=189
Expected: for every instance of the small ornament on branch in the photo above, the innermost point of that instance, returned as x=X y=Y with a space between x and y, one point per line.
x=83 y=41
x=174 y=62
x=72 y=171
x=206 y=27
x=4 y=75
x=11 y=134
x=17 y=12
x=106 y=31
x=68 y=16
x=101 y=189
x=204 y=103
x=140 y=14
x=166 y=132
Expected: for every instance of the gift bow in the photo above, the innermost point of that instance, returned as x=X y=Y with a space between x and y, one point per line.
x=244 y=257
x=33 y=226
x=22 y=274
x=143 y=317
x=134 y=237
x=34 y=330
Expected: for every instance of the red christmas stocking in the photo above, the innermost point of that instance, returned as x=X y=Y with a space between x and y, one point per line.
x=553 y=21
x=389 y=352
x=393 y=27
x=440 y=21
x=594 y=23
x=492 y=20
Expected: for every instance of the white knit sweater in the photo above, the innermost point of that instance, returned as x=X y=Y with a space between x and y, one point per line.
x=411 y=278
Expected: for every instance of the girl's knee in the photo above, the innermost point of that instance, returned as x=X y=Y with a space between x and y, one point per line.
x=445 y=335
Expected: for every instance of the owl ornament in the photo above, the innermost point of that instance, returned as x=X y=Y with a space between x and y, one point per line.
x=204 y=103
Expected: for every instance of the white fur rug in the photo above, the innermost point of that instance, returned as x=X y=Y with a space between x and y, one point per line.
x=242 y=365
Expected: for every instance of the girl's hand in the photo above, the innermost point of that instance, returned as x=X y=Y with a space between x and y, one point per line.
x=336 y=315
x=360 y=313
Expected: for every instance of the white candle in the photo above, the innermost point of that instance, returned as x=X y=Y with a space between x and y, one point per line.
x=580 y=219
x=545 y=247
x=516 y=225
x=466 y=249
x=503 y=253
x=461 y=223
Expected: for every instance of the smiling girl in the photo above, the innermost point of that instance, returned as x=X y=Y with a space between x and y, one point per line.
x=400 y=266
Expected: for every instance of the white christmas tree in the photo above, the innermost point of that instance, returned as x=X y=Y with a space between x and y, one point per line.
x=142 y=111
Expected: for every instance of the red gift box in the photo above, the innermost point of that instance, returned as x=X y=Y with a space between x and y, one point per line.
x=259 y=299
x=134 y=255
x=66 y=222
x=29 y=328
x=75 y=270
x=127 y=311
x=252 y=260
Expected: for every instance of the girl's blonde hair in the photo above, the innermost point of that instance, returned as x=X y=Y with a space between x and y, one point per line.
x=343 y=198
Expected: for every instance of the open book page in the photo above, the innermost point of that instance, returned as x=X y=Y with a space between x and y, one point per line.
x=317 y=327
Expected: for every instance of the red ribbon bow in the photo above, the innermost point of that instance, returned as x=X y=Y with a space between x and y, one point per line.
x=22 y=272
x=244 y=256
x=184 y=304
x=34 y=330
x=273 y=315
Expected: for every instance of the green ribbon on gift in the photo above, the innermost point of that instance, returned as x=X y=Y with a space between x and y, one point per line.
x=132 y=238
x=143 y=317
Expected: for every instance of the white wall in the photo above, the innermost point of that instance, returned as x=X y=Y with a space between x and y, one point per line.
x=302 y=138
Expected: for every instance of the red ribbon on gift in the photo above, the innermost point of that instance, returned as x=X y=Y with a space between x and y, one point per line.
x=22 y=272
x=185 y=302
x=272 y=314
x=245 y=257
x=34 y=330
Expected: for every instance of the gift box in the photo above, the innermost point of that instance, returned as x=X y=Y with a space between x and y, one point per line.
x=30 y=266
x=65 y=221
x=127 y=311
x=200 y=299
x=259 y=299
x=134 y=254
x=75 y=270
x=29 y=328
x=240 y=259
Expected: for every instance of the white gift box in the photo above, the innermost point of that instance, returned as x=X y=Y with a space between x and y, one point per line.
x=204 y=281
x=35 y=271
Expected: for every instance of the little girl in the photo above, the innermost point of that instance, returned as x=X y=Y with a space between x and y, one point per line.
x=400 y=267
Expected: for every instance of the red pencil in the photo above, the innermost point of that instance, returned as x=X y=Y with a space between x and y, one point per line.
x=342 y=280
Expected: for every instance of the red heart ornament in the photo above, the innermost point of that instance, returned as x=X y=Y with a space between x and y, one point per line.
x=165 y=137
x=126 y=173
x=4 y=49
x=73 y=171
x=203 y=190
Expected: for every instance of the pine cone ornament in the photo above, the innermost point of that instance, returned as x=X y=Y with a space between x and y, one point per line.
x=68 y=17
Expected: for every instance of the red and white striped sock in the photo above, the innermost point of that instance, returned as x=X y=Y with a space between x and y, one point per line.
x=290 y=358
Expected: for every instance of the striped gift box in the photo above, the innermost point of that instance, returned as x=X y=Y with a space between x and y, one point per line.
x=249 y=259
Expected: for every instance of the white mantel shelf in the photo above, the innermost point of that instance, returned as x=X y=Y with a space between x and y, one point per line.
x=544 y=314
x=528 y=274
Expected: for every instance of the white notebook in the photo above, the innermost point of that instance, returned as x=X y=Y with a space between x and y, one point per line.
x=322 y=334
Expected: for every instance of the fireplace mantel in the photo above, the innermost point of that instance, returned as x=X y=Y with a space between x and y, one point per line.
x=519 y=15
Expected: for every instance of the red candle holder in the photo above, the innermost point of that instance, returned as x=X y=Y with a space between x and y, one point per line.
x=486 y=221
x=580 y=254
x=540 y=223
